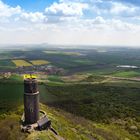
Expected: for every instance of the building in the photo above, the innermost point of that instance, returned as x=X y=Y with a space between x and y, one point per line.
x=31 y=100
x=44 y=123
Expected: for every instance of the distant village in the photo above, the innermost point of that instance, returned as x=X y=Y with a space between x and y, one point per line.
x=42 y=69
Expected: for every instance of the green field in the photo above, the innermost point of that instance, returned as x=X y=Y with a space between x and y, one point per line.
x=127 y=74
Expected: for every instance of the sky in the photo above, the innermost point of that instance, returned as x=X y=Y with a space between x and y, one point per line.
x=76 y=22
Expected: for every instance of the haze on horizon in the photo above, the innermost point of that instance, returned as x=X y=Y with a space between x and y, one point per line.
x=91 y=22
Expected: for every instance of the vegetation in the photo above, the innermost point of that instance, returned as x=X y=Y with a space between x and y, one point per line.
x=6 y=63
x=99 y=60
x=67 y=125
x=94 y=78
x=54 y=78
x=127 y=74
x=86 y=103
x=39 y=62
x=98 y=102
x=111 y=107
x=20 y=63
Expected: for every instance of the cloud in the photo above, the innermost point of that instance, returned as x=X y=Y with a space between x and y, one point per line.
x=35 y=17
x=7 y=11
x=72 y=21
x=124 y=9
x=133 y=2
x=105 y=25
x=110 y=8
x=17 y=14
x=66 y=9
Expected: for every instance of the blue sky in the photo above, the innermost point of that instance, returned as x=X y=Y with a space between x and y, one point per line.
x=135 y=2
x=30 y=5
x=33 y=5
x=40 y=5
x=97 y=22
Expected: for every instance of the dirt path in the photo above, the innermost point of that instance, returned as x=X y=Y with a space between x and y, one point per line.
x=137 y=79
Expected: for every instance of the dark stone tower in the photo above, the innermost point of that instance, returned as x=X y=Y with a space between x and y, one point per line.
x=31 y=101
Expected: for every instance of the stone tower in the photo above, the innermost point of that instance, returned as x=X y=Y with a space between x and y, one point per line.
x=31 y=100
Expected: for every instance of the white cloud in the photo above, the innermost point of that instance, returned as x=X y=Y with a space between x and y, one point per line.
x=110 y=8
x=7 y=11
x=66 y=9
x=123 y=9
x=72 y=21
x=35 y=17
x=17 y=14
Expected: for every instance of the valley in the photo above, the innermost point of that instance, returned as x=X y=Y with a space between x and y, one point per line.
x=84 y=93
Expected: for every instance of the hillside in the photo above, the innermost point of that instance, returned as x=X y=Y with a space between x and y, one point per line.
x=69 y=69
x=68 y=126
x=85 y=108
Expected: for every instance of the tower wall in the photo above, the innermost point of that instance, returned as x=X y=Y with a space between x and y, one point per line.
x=31 y=101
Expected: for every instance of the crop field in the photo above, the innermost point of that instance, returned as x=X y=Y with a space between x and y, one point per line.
x=74 y=61
x=39 y=62
x=20 y=63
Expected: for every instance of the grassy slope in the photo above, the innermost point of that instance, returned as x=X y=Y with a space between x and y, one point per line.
x=112 y=102
x=104 y=101
x=68 y=126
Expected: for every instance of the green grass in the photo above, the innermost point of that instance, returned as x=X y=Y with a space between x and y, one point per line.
x=14 y=78
x=10 y=96
x=111 y=107
x=103 y=104
x=6 y=63
x=127 y=74
x=68 y=127
x=54 y=78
